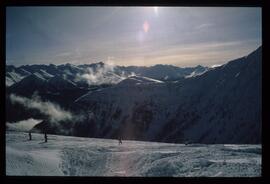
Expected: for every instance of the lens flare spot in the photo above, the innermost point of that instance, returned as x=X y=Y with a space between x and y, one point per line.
x=146 y=26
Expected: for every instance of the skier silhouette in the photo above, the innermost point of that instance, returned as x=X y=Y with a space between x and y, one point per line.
x=120 y=140
x=30 y=136
x=45 y=137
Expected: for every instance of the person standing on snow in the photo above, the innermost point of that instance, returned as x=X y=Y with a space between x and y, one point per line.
x=30 y=136
x=120 y=140
x=45 y=137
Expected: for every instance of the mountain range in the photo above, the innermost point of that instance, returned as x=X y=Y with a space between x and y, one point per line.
x=159 y=103
x=74 y=73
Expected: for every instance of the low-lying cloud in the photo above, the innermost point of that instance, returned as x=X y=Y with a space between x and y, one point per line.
x=24 y=125
x=102 y=74
x=54 y=112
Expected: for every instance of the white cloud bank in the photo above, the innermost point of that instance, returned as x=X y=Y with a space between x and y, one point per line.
x=24 y=125
x=53 y=111
x=102 y=74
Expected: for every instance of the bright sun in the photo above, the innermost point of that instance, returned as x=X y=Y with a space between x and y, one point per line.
x=156 y=9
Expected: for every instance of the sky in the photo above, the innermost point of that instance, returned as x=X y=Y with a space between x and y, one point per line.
x=141 y=36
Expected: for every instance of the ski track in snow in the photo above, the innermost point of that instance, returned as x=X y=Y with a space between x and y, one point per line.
x=74 y=156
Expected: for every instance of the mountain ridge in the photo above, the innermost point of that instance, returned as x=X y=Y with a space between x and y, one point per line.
x=179 y=110
x=220 y=105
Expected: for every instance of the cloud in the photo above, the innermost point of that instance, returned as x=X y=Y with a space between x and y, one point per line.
x=102 y=74
x=54 y=112
x=24 y=125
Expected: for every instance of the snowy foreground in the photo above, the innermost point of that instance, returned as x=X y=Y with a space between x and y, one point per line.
x=74 y=156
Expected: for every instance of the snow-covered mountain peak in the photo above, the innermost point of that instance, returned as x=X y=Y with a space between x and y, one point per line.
x=44 y=74
x=38 y=75
x=61 y=83
x=42 y=71
x=35 y=76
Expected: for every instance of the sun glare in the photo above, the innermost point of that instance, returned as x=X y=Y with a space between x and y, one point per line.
x=156 y=9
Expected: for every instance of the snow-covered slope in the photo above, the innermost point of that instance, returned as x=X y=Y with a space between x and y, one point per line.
x=74 y=156
x=60 y=83
x=41 y=82
x=14 y=75
x=29 y=84
x=138 y=80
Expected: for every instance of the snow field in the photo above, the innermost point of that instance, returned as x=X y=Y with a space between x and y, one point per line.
x=74 y=156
